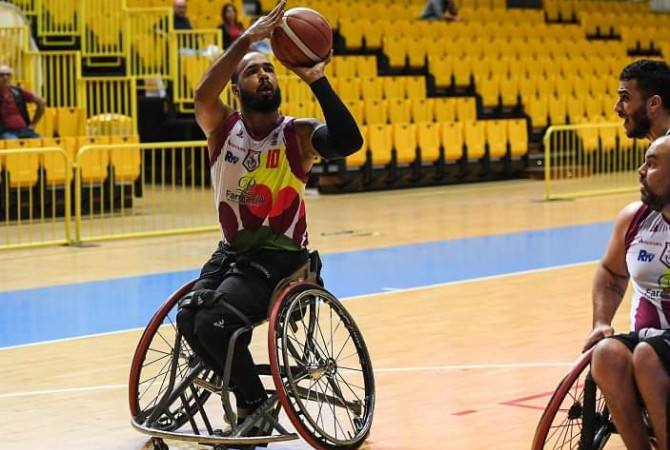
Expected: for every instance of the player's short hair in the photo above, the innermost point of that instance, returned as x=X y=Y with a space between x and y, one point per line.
x=653 y=78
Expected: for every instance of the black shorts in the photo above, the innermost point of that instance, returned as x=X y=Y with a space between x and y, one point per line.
x=659 y=342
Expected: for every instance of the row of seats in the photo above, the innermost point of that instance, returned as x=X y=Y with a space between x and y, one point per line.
x=611 y=22
x=23 y=169
x=408 y=142
x=374 y=88
x=510 y=87
x=568 y=10
x=563 y=109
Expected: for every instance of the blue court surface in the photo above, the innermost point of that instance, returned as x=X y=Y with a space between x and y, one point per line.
x=36 y=315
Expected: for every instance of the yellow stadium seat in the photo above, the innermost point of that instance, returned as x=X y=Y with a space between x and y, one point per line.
x=415 y=87
x=366 y=66
x=482 y=69
x=127 y=162
x=349 y=88
x=356 y=109
x=380 y=143
x=372 y=89
x=489 y=89
x=517 y=133
x=563 y=86
x=575 y=108
x=625 y=143
x=416 y=53
x=452 y=140
x=608 y=103
x=501 y=67
x=440 y=68
x=557 y=110
x=474 y=133
x=429 y=141
x=589 y=138
x=298 y=91
x=399 y=111
x=373 y=31
x=94 y=163
x=359 y=158
x=395 y=50
x=509 y=91
x=376 y=112
x=344 y=66
x=536 y=108
x=352 y=30
x=544 y=86
x=526 y=87
x=496 y=138
x=444 y=109
x=466 y=108
x=22 y=169
x=53 y=164
x=422 y=110
x=404 y=142
x=45 y=127
x=462 y=70
x=593 y=106
x=70 y=122
x=394 y=88
x=598 y=85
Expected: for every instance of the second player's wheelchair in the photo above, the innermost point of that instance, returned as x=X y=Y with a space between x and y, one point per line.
x=319 y=364
x=577 y=416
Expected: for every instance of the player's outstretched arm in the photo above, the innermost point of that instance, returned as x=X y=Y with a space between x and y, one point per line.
x=210 y=111
x=339 y=137
x=611 y=278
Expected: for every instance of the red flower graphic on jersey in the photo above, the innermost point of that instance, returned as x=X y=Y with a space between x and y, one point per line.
x=254 y=212
x=283 y=210
x=228 y=221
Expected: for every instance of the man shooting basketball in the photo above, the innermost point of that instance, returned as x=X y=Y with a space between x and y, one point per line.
x=260 y=162
x=638 y=362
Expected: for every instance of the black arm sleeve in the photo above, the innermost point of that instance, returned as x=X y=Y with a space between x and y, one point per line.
x=340 y=136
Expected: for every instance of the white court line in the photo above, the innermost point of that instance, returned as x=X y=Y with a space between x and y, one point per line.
x=355 y=297
x=109 y=387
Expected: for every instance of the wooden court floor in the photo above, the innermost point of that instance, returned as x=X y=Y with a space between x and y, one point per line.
x=465 y=365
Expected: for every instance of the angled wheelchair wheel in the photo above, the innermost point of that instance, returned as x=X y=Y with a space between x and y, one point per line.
x=160 y=395
x=576 y=416
x=321 y=368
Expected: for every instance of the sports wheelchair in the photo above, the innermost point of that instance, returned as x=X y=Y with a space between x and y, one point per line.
x=323 y=382
x=576 y=416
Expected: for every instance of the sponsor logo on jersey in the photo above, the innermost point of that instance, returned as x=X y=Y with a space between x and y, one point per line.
x=643 y=256
x=665 y=256
x=252 y=160
x=664 y=280
x=244 y=192
x=231 y=158
x=655 y=294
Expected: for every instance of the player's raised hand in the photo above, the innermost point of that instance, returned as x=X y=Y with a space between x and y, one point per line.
x=598 y=333
x=313 y=73
x=262 y=28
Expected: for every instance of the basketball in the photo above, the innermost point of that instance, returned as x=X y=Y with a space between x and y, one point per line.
x=303 y=39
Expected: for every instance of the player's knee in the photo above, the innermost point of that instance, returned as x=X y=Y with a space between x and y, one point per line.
x=611 y=360
x=645 y=361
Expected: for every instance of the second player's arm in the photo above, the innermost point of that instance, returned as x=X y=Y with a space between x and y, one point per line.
x=611 y=278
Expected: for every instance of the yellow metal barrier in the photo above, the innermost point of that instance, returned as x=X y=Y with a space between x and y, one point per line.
x=13 y=47
x=54 y=76
x=29 y=7
x=193 y=51
x=110 y=104
x=590 y=159
x=101 y=31
x=133 y=190
x=58 y=22
x=148 y=31
x=35 y=198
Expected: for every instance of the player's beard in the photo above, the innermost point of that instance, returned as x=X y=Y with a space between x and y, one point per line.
x=654 y=201
x=640 y=122
x=259 y=103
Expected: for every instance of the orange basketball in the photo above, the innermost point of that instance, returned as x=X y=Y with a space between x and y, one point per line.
x=304 y=38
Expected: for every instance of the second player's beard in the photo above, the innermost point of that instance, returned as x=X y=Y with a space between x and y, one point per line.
x=654 y=201
x=255 y=102
x=641 y=124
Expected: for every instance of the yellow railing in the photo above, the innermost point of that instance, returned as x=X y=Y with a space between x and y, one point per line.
x=590 y=159
x=194 y=51
x=133 y=190
x=29 y=7
x=110 y=104
x=54 y=76
x=35 y=198
x=58 y=22
x=101 y=32
x=148 y=33
x=13 y=48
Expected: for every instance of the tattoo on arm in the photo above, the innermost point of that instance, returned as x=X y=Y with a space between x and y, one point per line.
x=615 y=282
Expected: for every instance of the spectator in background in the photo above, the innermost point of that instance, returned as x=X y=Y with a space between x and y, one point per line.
x=440 y=10
x=230 y=27
x=15 y=123
x=181 y=22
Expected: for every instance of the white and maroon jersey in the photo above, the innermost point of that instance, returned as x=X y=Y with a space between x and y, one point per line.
x=259 y=186
x=648 y=262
